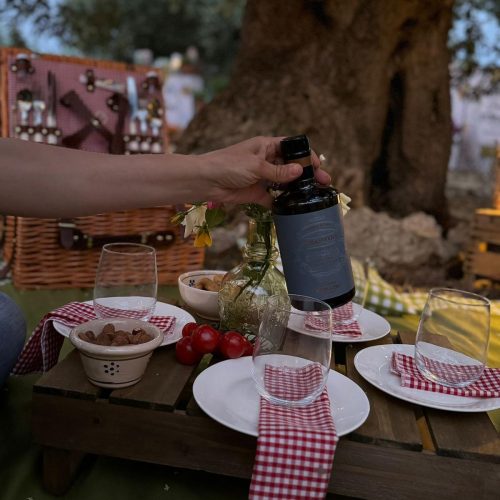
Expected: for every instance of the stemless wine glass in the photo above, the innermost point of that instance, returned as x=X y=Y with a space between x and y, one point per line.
x=293 y=349
x=126 y=281
x=452 y=337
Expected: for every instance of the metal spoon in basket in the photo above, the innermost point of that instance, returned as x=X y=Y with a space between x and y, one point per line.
x=38 y=110
x=51 y=121
x=24 y=103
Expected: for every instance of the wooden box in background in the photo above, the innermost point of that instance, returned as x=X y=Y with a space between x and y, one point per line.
x=496 y=177
x=483 y=256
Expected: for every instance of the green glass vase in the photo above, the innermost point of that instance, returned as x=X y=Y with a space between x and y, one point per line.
x=246 y=288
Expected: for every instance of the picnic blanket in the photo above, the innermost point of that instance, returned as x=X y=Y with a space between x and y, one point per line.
x=384 y=298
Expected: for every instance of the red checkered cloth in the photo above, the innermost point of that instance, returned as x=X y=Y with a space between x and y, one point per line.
x=42 y=349
x=296 y=446
x=488 y=385
x=317 y=321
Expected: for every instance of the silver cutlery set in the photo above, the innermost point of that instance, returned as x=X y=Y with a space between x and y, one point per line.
x=145 y=114
x=145 y=122
x=36 y=117
x=136 y=129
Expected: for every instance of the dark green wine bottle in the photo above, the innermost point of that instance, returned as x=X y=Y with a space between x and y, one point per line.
x=309 y=226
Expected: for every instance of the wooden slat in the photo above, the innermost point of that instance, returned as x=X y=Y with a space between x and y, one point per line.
x=381 y=473
x=192 y=407
x=168 y=438
x=487 y=217
x=487 y=264
x=161 y=386
x=484 y=235
x=67 y=378
x=391 y=422
x=462 y=435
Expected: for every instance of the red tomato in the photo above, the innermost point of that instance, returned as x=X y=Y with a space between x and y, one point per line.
x=188 y=329
x=248 y=347
x=205 y=338
x=232 y=345
x=185 y=353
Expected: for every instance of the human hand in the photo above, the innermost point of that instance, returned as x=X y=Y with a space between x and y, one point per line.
x=243 y=172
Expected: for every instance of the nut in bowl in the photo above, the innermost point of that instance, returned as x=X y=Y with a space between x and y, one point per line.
x=200 y=292
x=115 y=351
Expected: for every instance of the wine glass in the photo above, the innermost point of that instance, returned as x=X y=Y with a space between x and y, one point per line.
x=126 y=281
x=452 y=337
x=292 y=352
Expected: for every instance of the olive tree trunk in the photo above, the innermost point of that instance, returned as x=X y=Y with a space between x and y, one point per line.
x=366 y=80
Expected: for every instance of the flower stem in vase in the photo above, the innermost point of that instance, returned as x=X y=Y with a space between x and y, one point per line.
x=246 y=287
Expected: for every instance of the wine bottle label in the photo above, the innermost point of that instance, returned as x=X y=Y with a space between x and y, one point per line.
x=312 y=247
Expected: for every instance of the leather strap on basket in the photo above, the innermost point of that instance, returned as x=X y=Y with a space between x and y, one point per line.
x=72 y=100
x=72 y=238
x=117 y=145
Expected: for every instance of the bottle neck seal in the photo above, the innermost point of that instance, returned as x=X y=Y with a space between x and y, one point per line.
x=307 y=174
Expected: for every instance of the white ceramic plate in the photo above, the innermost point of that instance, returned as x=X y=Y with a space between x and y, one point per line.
x=373 y=326
x=373 y=364
x=226 y=392
x=161 y=309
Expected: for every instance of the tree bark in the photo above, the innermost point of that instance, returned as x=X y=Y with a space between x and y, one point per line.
x=366 y=80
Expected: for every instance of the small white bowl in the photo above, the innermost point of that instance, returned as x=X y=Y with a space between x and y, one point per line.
x=114 y=367
x=204 y=303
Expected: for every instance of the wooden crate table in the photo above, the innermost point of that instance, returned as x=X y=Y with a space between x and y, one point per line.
x=158 y=421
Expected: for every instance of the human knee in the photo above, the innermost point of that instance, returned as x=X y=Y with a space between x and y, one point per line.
x=12 y=323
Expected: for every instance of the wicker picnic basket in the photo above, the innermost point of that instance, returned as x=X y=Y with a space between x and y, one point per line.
x=50 y=253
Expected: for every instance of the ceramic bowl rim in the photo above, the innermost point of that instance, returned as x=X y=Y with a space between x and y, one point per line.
x=181 y=279
x=116 y=351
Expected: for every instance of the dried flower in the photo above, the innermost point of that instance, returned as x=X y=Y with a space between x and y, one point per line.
x=194 y=219
x=199 y=220
x=203 y=237
x=344 y=203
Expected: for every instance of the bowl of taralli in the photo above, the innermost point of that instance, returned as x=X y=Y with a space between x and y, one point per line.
x=200 y=292
x=115 y=351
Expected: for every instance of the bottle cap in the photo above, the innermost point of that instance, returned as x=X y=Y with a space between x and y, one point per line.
x=295 y=147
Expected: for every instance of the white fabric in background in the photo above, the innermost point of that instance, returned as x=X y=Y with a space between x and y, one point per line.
x=179 y=94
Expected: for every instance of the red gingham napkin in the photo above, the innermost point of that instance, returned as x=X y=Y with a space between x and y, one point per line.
x=295 y=447
x=317 y=321
x=42 y=349
x=488 y=385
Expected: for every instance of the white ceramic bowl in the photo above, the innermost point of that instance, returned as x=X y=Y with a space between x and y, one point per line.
x=202 y=302
x=115 y=366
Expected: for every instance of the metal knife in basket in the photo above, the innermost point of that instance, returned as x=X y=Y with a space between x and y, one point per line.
x=51 y=122
x=133 y=100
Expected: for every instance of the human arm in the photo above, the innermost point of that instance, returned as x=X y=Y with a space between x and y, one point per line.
x=47 y=181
